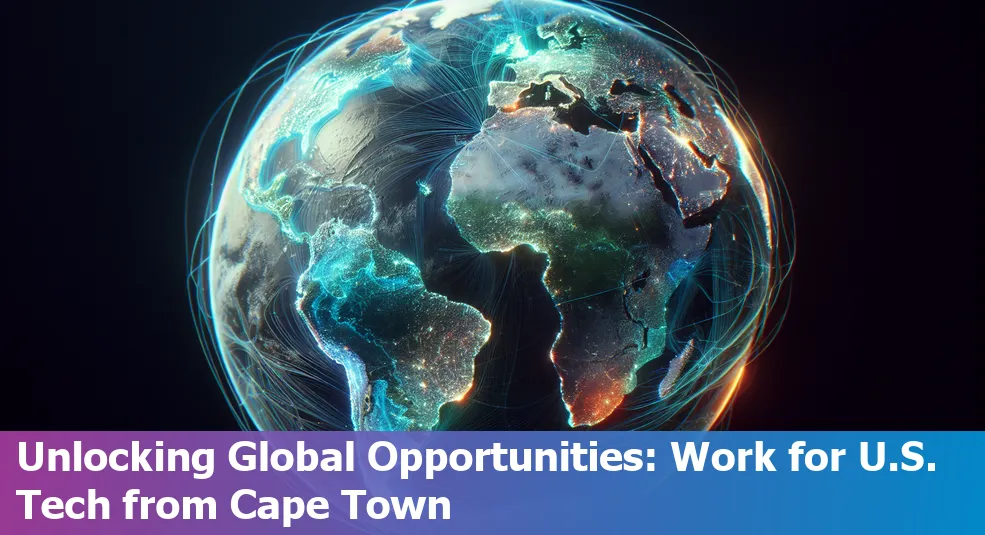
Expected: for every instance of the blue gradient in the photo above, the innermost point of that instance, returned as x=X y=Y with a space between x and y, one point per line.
x=947 y=500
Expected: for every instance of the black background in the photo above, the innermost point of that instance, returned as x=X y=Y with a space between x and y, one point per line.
x=871 y=111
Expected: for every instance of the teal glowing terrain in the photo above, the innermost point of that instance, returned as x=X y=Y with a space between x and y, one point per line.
x=490 y=214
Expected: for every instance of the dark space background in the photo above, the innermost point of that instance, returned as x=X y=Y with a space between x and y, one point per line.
x=871 y=111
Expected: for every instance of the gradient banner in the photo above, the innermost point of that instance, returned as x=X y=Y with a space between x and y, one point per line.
x=926 y=482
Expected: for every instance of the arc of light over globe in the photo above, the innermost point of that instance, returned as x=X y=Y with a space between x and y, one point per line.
x=415 y=181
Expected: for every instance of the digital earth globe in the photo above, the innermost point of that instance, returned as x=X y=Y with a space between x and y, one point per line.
x=491 y=215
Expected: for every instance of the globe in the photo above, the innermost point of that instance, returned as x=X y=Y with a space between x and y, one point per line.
x=516 y=214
